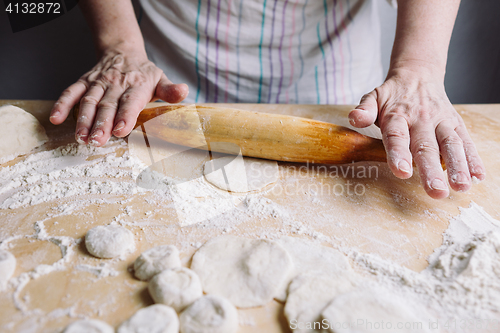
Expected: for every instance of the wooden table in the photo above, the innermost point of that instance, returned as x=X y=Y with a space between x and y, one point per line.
x=392 y=218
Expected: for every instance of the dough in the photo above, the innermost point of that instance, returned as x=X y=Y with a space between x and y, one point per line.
x=312 y=258
x=156 y=318
x=176 y=287
x=89 y=326
x=210 y=314
x=109 y=241
x=241 y=174
x=308 y=295
x=20 y=132
x=248 y=272
x=361 y=307
x=156 y=260
x=7 y=266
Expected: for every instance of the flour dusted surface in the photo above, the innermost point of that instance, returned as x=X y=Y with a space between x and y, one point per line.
x=76 y=178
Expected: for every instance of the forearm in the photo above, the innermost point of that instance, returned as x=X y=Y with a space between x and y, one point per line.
x=423 y=35
x=113 y=24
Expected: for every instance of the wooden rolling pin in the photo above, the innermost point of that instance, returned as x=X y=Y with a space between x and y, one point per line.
x=261 y=135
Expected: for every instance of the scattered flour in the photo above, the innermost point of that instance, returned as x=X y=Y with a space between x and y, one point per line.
x=461 y=285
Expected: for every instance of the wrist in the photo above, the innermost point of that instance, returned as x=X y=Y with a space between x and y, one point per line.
x=124 y=47
x=417 y=69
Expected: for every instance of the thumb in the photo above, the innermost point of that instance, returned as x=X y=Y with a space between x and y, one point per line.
x=365 y=114
x=170 y=92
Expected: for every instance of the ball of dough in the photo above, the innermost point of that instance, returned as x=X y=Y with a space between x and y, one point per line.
x=7 y=265
x=109 y=241
x=362 y=306
x=156 y=260
x=156 y=318
x=210 y=314
x=176 y=287
x=240 y=175
x=312 y=258
x=309 y=294
x=248 y=272
x=89 y=326
x=21 y=132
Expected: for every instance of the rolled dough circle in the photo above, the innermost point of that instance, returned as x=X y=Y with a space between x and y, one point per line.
x=20 y=133
x=156 y=318
x=312 y=258
x=240 y=174
x=89 y=326
x=248 y=272
x=210 y=314
x=7 y=265
x=176 y=287
x=309 y=294
x=109 y=241
x=363 y=306
x=156 y=260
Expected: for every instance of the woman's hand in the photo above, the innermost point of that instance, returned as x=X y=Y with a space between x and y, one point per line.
x=417 y=119
x=112 y=95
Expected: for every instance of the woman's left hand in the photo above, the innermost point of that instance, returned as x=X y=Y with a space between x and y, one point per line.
x=417 y=120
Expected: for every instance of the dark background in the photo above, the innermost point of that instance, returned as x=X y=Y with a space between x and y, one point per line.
x=40 y=62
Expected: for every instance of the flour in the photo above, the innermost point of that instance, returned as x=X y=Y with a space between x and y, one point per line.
x=101 y=271
x=461 y=285
x=77 y=171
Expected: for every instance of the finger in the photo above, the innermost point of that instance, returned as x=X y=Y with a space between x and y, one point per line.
x=88 y=105
x=396 y=138
x=170 y=92
x=453 y=153
x=476 y=166
x=425 y=151
x=132 y=103
x=104 y=119
x=366 y=112
x=66 y=101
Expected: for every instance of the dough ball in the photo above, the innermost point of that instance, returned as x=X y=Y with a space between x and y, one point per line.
x=210 y=314
x=248 y=272
x=176 y=287
x=109 y=241
x=156 y=260
x=308 y=295
x=312 y=258
x=156 y=318
x=89 y=326
x=21 y=132
x=7 y=265
x=361 y=307
x=240 y=175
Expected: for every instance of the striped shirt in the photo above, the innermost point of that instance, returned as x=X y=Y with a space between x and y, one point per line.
x=266 y=51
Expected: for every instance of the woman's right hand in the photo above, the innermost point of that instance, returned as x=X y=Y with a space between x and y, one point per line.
x=112 y=95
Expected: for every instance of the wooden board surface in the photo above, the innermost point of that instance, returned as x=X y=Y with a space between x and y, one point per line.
x=392 y=218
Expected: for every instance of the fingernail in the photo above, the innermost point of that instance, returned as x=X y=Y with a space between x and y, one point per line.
x=119 y=126
x=55 y=114
x=352 y=121
x=460 y=178
x=80 y=135
x=95 y=135
x=404 y=166
x=437 y=184
x=476 y=180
